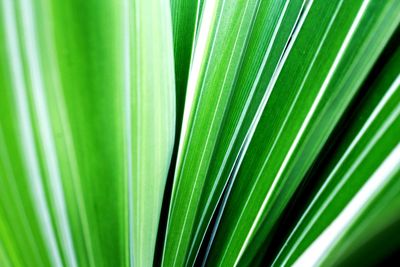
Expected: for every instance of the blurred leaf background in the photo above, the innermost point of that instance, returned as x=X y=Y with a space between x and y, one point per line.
x=199 y=133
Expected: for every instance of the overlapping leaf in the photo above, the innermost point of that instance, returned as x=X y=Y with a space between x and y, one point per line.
x=368 y=141
x=216 y=59
x=299 y=116
x=258 y=96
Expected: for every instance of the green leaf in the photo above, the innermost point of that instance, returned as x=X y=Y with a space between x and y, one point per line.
x=269 y=35
x=384 y=182
x=369 y=140
x=150 y=120
x=185 y=17
x=299 y=115
x=216 y=58
x=88 y=117
x=275 y=124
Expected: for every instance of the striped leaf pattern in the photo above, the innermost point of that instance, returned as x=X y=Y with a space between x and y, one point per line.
x=199 y=133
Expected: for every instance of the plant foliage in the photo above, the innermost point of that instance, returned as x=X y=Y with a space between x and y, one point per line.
x=199 y=133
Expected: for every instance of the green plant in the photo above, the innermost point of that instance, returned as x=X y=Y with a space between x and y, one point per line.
x=216 y=132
